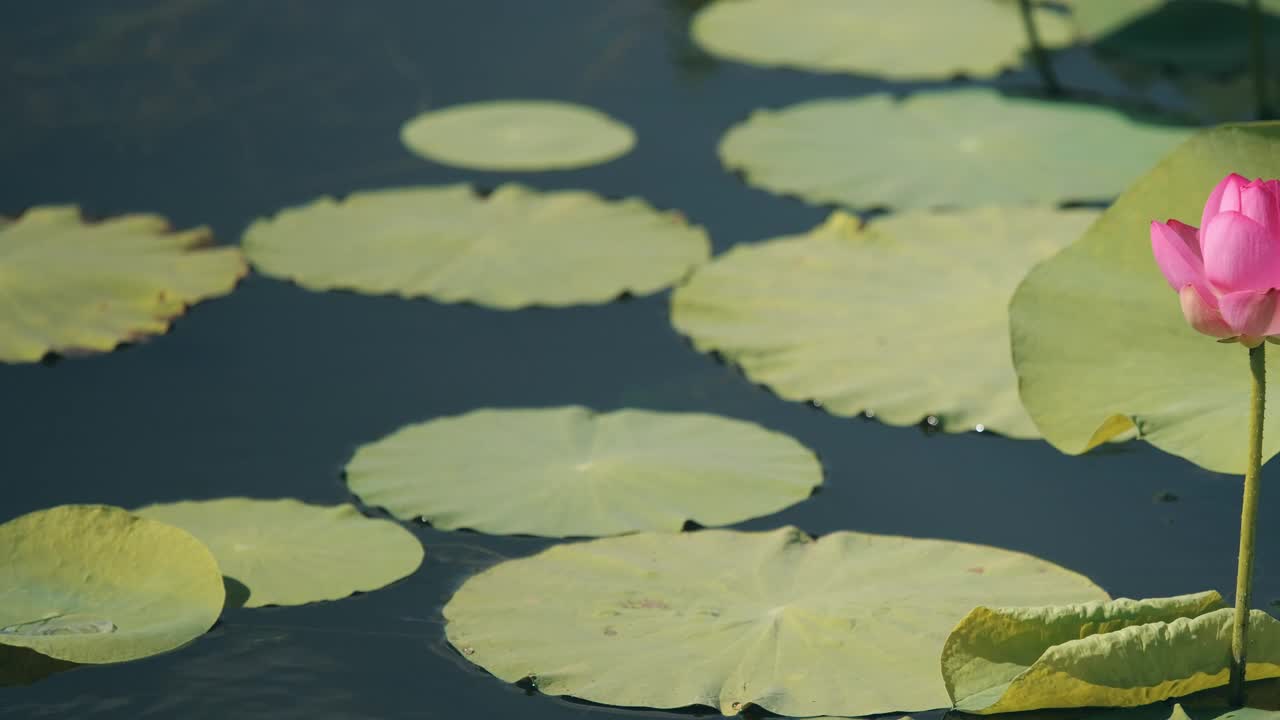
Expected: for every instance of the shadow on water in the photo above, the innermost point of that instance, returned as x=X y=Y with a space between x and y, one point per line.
x=23 y=666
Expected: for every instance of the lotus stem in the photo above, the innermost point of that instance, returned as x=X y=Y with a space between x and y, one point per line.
x=1051 y=86
x=1248 y=514
x=1258 y=51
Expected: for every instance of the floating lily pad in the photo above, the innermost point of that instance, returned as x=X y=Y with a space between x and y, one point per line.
x=515 y=248
x=286 y=552
x=951 y=148
x=517 y=135
x=71 y=286
x=1099 y=341
x=903 y=39
x=906 y=318
x=1123 y=653
x=571 y=472
x=96 y=584
x=848 y=624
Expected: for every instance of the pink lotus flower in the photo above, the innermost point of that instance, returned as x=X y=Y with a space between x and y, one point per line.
x=1227 y=273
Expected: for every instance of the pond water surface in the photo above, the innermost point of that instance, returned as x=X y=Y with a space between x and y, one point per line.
x=217 y=112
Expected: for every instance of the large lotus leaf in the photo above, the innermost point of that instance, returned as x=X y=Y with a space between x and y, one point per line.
x=951 y=148
x=571 y=472
x=848 y=624
x=97 y=584
x=71 y=286
x=1209 y=36
x=1099 y=341
x=517 y=135
x=1123 y=653
x=903 y=39
x=286 y=552
x=906 y=317
x=515 y=248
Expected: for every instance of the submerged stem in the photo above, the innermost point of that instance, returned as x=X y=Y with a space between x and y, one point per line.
x=1258 y=51
x=1037 y=50
x=1248 y=514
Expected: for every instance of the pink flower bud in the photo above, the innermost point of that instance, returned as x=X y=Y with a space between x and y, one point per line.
x=1227 y=272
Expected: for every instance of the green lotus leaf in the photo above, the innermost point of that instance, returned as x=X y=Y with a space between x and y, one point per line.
x=1123 y=653
x=517 y=135
x=286 y=552
x=97 y=584
x=515 y=248
x=1209 y=36
x=849 y=624
x=1099 y=342
x=951 y=148
x=906 y=318
x=903 y=39
x=71 y=286
x=568 y=471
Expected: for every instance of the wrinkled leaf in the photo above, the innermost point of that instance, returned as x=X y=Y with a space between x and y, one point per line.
x=848 y=624
x=517 y=135
x=71 y=286
x=952 y=148
x=515 y=248
x=906 y=318
x=1123 y=653
x=902 y=39
x=570 y=472
x=286 y=552
x=1099 y=342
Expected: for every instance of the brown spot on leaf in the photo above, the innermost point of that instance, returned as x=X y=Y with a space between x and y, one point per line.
x=645 y=604
x=976 y=570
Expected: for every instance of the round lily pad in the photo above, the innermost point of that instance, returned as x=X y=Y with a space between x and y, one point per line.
x=515 y=248
x=286 y=552
x=902 y=40
x=952 y=148
x=571 y=472
x=97 y=584
x=906 y=318
x=71 y=286
x=849 y=624
x=1099 y=340
x=517 y=135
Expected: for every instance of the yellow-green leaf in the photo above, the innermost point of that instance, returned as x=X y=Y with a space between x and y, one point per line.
x=517 y=135
x=514 y=248
x=286 y=552
x=900 y=39
x=568 y=471
x=1123 y=653
x=71 y=286
x=848 y=624
x=906 y=318
x=955 y=148
x=1099 y=342
x=97 y=584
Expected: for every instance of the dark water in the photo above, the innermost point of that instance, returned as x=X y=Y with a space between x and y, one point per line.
x=216 y=112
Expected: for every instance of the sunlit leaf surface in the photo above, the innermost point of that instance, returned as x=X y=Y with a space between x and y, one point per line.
x=949 y=148
x=906 y=318
x=517 y=135
x=513 y=248
x=1123 y=653
x=97 y=584
x=902 y=39
x=1099 y=342
x=570 y=472
x=848 y=624
x=287 y=552
x=67 y=285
